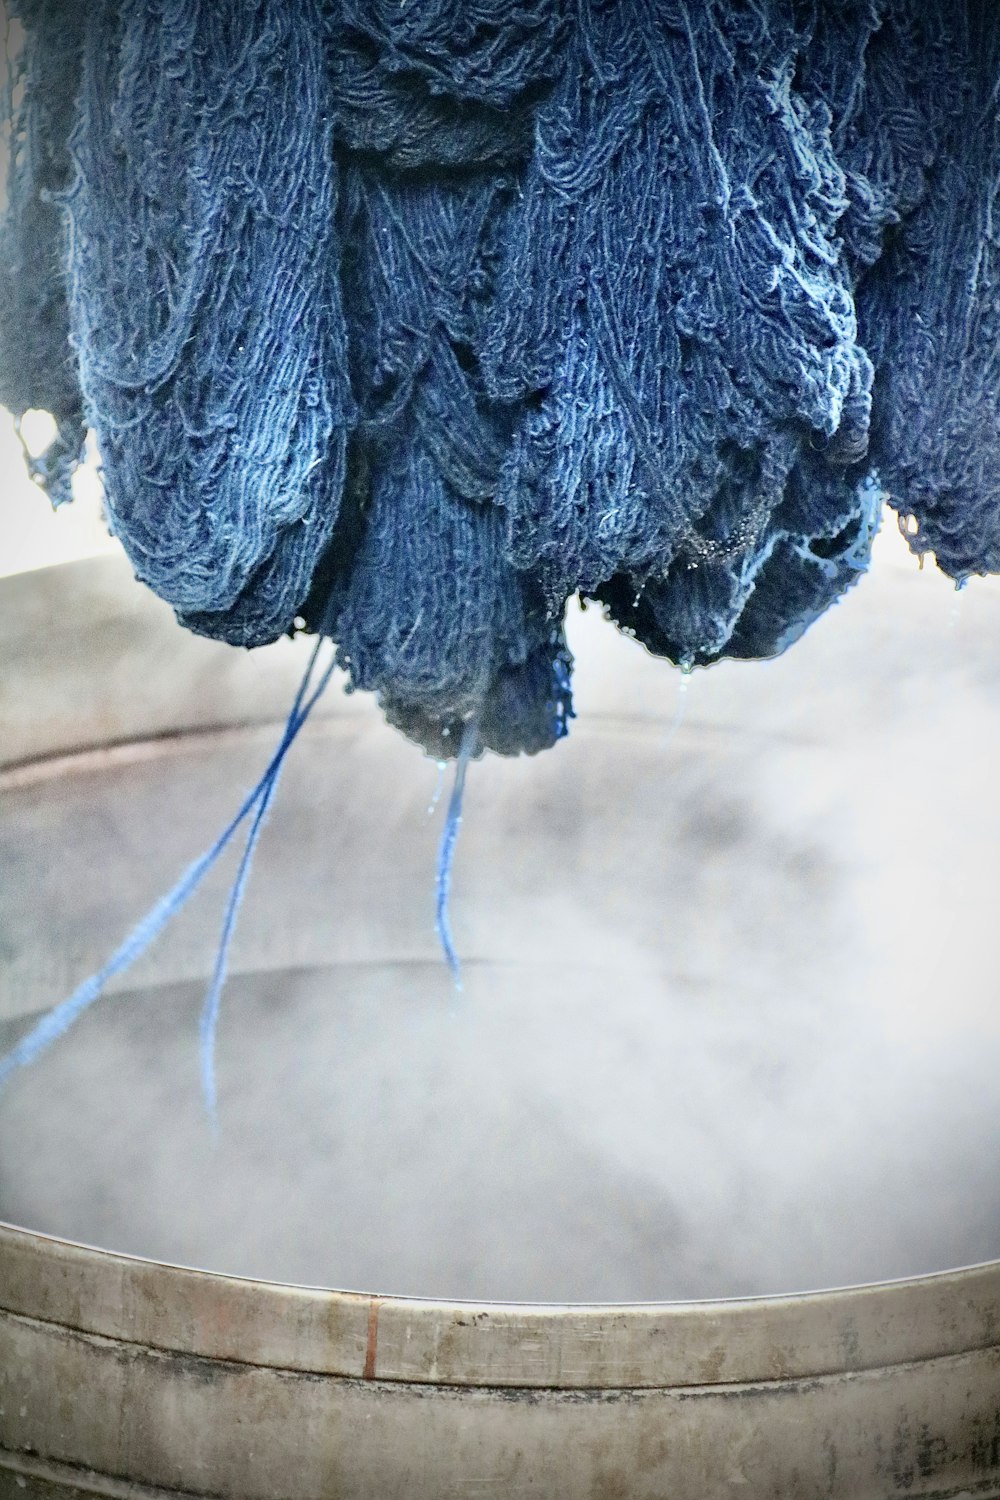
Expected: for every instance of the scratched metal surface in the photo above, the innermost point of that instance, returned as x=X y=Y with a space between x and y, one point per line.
x=81 y=1414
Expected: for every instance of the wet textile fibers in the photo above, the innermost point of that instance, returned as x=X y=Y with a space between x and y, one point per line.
x=405 y=321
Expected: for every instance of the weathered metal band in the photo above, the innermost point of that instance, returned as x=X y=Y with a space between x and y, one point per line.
x=349 y=1334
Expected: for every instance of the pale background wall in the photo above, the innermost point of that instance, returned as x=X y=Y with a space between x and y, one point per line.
x=32 y=533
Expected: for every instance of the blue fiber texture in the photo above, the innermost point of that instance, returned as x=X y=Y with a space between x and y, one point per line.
x=407 y=322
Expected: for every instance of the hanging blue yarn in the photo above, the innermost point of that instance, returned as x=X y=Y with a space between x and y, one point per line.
x=56 y=1022
x=468 y=745
x=305 y=700
x=414 y=321
x=204 y=300
x=930 y=307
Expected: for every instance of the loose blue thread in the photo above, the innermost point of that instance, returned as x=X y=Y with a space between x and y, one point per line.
x=446 y=853
x=267 y=788
x=58 y=1021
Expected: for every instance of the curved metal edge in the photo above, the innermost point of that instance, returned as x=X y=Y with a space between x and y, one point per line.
x=195 y=1426
x=45 y=1476
x=563 y=1347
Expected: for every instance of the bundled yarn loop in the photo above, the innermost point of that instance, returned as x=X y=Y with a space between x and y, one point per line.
x=407 y=320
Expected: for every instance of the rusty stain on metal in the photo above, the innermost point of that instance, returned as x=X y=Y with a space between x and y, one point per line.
x=371 y=1348
x=337 y=1392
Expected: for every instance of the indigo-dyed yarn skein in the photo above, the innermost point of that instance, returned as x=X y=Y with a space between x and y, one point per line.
x=411 y=322
x=414 y=321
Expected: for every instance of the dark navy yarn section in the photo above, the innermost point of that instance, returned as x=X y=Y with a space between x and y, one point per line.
x=412 y=321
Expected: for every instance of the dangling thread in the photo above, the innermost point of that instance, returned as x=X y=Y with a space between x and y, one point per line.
x=446 y=853
x=209 y=1023
x=267 y=788
x=58 y=1021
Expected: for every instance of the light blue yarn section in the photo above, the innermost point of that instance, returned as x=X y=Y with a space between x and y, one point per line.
x=446 y=852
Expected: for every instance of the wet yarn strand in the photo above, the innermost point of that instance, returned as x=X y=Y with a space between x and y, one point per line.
x=446 y=853
x=267 y=787
x=412 y=322
x=56 y=1022
x=209 y=1021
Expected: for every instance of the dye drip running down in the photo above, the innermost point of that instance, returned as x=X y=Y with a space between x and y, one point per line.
x=404 y=324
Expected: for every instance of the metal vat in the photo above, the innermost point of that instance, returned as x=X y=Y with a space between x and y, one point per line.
x=698 y=1063
x=140 y=1374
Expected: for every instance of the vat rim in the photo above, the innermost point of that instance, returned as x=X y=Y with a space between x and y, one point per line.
x=214 y=1316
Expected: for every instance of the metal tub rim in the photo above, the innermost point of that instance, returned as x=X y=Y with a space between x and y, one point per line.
x=554 y=1346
